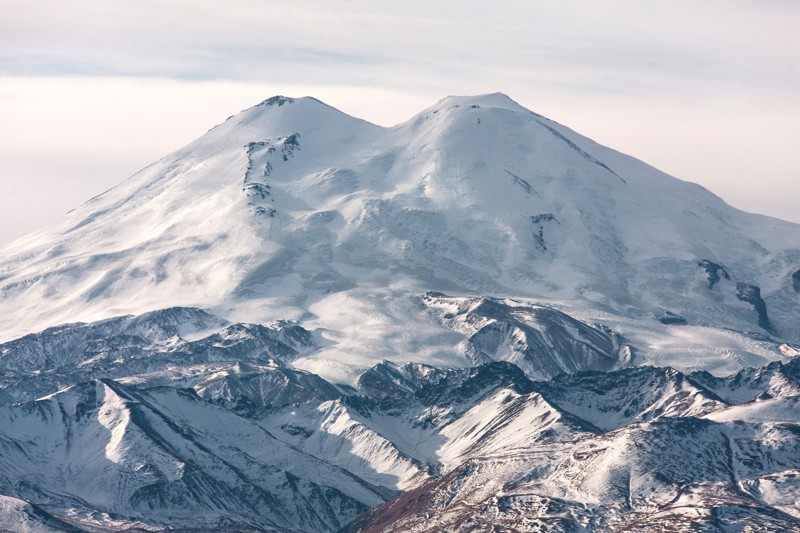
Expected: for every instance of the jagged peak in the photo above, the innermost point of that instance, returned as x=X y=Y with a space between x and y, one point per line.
x=277 y=100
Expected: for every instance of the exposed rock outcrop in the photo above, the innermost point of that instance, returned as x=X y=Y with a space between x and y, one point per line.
x=752 y=295
x=714 y=272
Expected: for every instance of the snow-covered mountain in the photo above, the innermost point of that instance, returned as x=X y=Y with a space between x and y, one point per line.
x=477 y=318
x=294 y=210
x=262 y=446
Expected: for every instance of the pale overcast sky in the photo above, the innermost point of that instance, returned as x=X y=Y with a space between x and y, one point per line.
x=91 y=91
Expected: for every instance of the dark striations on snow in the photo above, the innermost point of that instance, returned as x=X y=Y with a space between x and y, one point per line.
x=539 y=222
x=714 y=272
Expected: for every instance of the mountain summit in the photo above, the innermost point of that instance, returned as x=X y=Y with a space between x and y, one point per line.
x=292 y=209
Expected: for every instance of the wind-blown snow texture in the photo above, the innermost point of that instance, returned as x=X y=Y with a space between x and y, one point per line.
x=478 y=316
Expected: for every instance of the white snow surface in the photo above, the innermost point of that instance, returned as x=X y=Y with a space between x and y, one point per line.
x=19 y=516
x=294 y=210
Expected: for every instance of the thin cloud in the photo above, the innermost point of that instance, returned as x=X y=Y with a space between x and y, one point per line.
x=623 y=43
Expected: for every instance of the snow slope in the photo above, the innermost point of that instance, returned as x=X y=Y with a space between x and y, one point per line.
x=294 y=210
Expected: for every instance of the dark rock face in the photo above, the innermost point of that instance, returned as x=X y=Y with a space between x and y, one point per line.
x=671 y=319
x=752 y=295
x=714 y=272
x=796 y=281
x=523 y=184
x=276 y=100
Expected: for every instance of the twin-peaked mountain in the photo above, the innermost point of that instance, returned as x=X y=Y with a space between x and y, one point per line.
x=475 y=319
x=294 y=210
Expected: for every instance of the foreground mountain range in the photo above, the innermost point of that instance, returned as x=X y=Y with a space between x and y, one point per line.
x=221 y=432
x=477 y=320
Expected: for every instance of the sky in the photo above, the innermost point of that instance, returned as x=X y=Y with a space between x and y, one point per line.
x=91 y=91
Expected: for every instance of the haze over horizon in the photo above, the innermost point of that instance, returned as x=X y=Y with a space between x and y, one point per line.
x=90 y=94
